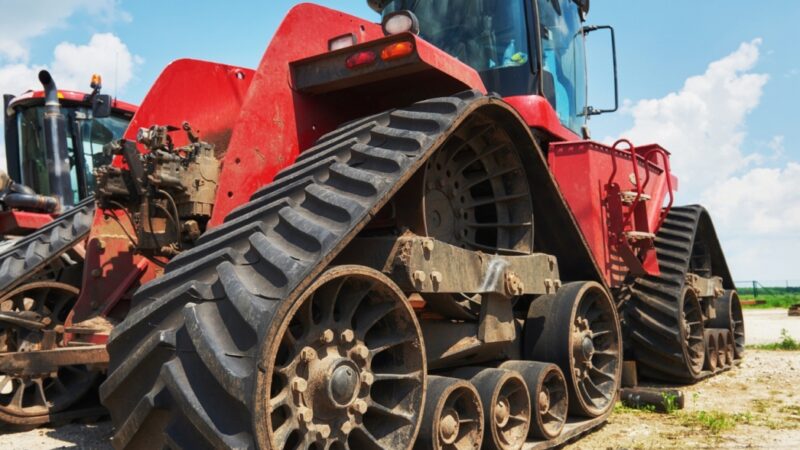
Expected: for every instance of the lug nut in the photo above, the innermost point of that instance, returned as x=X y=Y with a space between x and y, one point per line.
x=361 y=352
x=308 y=354
x=347 y=427
x=299 y=385
x=324 y=431
x=326 y=337
x=419 y=276
x=367 y=378
x=360 y=406
x=347 y=336
x=304 y=414
x=427 y=244
x=436 y=277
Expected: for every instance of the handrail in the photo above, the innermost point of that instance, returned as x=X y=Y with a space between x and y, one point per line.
x=634 y=162
x=668 y=174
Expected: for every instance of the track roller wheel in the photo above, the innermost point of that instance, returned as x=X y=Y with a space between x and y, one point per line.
x=724 y=356
x=577 y=329
x=730 y=347
x=729 y=316
x=549 y=400
x=346 y=369
x=453 y=417
x=711 y=362
x=32 y=319
x=506 y=406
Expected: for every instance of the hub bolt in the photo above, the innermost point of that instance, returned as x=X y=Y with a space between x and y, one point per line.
x=305 y=414
x=436 y=277
x=326 y=337
x=324 y=431
x=360 y=406
x=347 y=427
x=367 y=378
x=299 y=385
x=361 y=352
x=347 y=336
x=419 y=276
x=308 y=354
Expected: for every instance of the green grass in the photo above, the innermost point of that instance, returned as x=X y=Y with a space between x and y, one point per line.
x=774 y=297
x=714 y=422
x=787 y=342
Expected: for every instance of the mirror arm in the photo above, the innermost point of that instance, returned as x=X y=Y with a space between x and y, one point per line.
x=591 y=111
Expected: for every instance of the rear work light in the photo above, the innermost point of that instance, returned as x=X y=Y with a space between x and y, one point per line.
x=397 y=50
x=360 y=59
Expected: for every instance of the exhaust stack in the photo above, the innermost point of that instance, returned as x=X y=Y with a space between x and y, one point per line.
x=55 y=132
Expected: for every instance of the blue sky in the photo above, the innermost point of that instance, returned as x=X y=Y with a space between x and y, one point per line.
x=715 y=81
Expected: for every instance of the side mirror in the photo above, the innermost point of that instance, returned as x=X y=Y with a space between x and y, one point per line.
x=590 y=110
x=101 y=106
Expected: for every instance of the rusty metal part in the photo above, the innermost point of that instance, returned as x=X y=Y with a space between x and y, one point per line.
x=711 y=361
x=704 y=287
x=476 y=194
x=426 y=265
x=38 y=377
x=578 y=329
x=630 y=378
x=729 y=315
x=548 y=395
x=453 y=416
x=451 y=344
x=506 y=406
x=660 y=399
x=346 y=366
x=33 y=363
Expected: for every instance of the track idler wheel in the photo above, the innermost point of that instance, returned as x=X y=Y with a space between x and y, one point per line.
x=506 y=406
x=712 y=353
x=577 y=329
x=729 y=315
x=453 y=416
x=548 y=394
x=347 y=368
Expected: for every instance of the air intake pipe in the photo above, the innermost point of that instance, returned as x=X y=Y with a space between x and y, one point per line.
x=55 y=138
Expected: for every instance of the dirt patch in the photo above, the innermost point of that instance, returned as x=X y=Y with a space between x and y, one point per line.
x=754 y=406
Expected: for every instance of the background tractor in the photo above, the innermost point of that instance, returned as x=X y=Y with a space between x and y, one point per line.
x=388 y=235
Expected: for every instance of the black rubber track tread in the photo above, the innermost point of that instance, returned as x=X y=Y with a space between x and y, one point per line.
x=26 y=256
x=189 y=347
x=652 y=312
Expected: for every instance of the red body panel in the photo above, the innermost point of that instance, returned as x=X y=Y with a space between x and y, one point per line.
x=22 y=222
x=277 y=123
x=70 y=96
x=583 y=169
x=538 y=113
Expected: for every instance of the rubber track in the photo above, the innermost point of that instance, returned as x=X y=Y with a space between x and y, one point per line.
x=183 y=364
x=31 y=253
x=653 y=310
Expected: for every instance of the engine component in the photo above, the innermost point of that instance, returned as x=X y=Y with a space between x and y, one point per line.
x=168 y=192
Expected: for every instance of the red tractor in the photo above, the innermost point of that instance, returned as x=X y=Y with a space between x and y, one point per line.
x=53 y=142
x=388 y=235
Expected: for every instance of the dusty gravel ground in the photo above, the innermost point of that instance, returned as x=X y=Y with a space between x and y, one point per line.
x=754 y=406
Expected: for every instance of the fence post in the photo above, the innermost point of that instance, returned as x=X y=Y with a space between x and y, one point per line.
x=755 y=290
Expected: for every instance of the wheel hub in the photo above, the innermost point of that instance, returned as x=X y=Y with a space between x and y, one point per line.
x=544 y=401
x=440 y=216
x=502 y=412
x=343 y=384
x=587 y=347
x=449 y=426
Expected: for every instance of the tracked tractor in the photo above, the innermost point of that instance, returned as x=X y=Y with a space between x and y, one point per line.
x=53 y=141
x=389 y=235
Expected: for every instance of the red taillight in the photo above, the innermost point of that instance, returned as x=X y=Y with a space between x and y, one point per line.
x=397 y=50
x=360 y=59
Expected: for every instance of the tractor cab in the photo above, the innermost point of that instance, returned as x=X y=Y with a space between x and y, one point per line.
x=31 y=154
x=519 y=47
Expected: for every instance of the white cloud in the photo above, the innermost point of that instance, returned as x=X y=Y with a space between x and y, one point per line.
x=22 y=21
x=756 y=209
x=703 y=123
